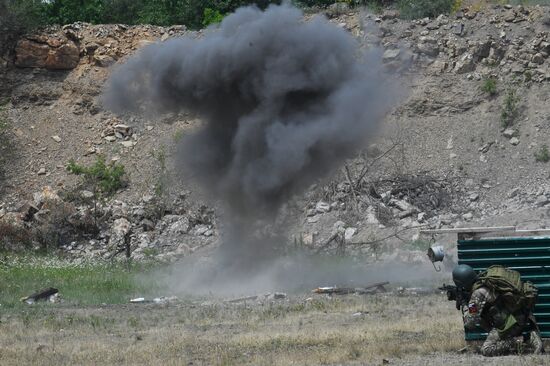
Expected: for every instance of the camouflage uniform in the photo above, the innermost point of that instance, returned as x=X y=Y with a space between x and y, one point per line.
x=503 y=327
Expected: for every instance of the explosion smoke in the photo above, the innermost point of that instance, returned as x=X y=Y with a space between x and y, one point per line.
x=284 y=101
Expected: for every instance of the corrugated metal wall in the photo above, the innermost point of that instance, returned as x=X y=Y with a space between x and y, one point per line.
x=528 y=255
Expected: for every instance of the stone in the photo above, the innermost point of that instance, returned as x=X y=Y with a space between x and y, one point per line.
x=110 y=138
x=468 y=216
x=349 y=233
x=313 y=220
x=474 y=197
x=428 y=49
x=538 y=59
x=120 y=230
x=56 y=138
x=432 y=26
x=123 y=130
x=338 y=224
x=103 y=60
x=465 y=64
x=31 y=54
x=87 y=195
x=371 y=216
x=41 y=171
x=322 y=207
x=128 y=144
x=401 y=205
x=121 y=226
x=514 y=141
x=509 y=133
x=392 y=54
x=45 y=197
x=458 y=29
x=65 y=57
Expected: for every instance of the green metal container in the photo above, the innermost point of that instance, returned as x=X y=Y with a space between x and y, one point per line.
x=529 y=255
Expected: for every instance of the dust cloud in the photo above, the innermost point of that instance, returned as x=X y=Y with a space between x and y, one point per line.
x=283 y=100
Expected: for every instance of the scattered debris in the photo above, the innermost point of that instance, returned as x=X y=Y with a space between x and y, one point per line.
x=415 y=291
x=138 y=300
x=156 y=300
x=371 y=289
x=50 y=294
x=268 y=296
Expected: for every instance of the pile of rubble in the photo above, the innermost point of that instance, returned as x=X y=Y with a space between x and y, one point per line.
x=93 y=228
x=100 y=45
x=472 y=42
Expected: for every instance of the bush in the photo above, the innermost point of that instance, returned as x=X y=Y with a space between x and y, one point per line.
x=415 y=9
x=489 y=86
x=103 y=179
x=211 y=17
x=509 y=112
x=543 y=155
x=18 y=17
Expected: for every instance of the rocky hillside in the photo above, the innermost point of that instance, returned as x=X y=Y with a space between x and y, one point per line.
x=465 y=146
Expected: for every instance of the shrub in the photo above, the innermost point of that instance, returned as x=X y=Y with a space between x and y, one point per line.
x=415 y=9
x=104 y=179
x=509 y=112
x=489 y=86
x=543 y=155
x=18 y=17
x=211 y=17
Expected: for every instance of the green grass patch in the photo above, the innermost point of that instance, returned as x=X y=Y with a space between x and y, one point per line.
x=489 y=86
x=79 y=284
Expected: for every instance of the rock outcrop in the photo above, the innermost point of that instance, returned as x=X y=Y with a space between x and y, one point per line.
x=50 y=52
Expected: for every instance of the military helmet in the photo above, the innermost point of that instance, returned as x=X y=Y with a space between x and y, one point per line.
x=464 y=276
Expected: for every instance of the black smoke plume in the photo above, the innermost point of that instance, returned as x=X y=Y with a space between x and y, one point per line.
x=284 y=101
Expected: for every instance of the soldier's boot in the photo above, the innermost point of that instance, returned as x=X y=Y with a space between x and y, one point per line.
x=494 y=346
x=535 y=343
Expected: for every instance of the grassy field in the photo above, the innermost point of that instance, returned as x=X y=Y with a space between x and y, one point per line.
x=79 y=283
x=96 y=325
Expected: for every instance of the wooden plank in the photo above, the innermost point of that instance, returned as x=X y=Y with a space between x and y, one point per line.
x=470 y=230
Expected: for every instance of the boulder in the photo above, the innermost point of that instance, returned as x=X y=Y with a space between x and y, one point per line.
x=51 y=53
x=31 y=54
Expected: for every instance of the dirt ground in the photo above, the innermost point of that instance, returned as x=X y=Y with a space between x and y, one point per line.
x=298 y=330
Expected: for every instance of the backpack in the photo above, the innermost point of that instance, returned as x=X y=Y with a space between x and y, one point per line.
x=508 y=286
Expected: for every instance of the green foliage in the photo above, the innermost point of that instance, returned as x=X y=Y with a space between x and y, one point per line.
x=510 y=111
x=105 y=179
x=23 y=15
x=543 y=155
x=415 y=9
x=211 y=17
x=489 y=86
x=70 y=11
